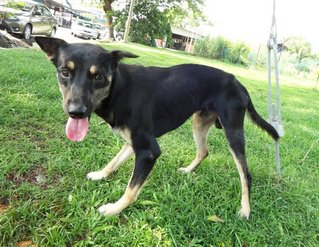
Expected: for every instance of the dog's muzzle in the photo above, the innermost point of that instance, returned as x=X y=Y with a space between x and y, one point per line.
x=77 y=111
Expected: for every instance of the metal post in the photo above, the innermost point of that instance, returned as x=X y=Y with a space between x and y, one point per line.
x=269 y=83
x=279 y=129
x=128 y=22
x=274 y=110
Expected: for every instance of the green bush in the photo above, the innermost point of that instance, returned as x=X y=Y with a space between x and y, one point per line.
x=238 y=53
x=302 y=67
x=222 y=49
x=202 y=47
x=258 y=58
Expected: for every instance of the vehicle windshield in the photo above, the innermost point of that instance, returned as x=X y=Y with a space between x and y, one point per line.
x=85 y=24
x=98 y=27
x=25 y=7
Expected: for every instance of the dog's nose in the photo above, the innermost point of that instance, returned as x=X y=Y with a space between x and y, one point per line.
x=77 y=111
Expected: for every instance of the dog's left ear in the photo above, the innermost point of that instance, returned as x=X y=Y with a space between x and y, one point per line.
x=118 y=55
x=50 y=45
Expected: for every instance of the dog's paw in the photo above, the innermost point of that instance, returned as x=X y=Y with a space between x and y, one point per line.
x=109 y=209
x=243 y=213
x=185 y=170
x=98 y=175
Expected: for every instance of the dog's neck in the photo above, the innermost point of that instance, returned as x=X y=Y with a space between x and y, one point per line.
x=108 y=107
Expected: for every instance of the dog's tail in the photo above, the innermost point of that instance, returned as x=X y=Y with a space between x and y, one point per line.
x=262 y=123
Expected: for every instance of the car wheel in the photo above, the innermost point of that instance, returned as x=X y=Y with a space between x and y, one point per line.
x=27 y=32
x=118 y=38
x=53 y=32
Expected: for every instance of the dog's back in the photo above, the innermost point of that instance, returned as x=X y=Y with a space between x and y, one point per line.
x=175 y=93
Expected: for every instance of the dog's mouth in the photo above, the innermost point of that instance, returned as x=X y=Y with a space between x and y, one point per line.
x=77 y=128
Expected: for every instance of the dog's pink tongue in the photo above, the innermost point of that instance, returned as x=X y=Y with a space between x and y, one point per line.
x=76 y=129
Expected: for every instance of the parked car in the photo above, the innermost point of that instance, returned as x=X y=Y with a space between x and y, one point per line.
x=26 y=18
x=84 y=29
x=102 y=31
x=119 y=36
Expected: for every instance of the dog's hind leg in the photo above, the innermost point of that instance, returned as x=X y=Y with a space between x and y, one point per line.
x=233 y=126
x=202 y=121
x=123 y=155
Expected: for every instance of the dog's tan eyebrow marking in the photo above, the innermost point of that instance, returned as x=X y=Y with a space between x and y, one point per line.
x=70 y=65
x=93 y=69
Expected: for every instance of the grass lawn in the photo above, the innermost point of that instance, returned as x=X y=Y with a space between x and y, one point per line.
x=45 y=199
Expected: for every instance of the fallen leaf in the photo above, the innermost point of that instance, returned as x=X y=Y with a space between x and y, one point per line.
x=27 y=243
x=70 y=198
x=3 y=208
x=215 y=218
x=40 y=178
x=147 y=202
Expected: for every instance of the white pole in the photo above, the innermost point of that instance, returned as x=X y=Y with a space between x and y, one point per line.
x=274 y=110
x=128 y=22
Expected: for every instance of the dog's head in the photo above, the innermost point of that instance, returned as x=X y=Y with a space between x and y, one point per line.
x=85 y=73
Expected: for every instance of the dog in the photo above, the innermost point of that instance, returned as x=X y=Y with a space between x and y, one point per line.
x=143 y=103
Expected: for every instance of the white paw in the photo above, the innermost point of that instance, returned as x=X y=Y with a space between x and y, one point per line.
x=185 y=170
x=109 y=209
x=96 y=175
x=244 y=213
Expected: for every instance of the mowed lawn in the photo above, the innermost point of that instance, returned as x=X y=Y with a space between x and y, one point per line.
x=46 y=200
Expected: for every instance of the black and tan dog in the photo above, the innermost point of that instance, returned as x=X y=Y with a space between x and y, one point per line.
x=143 y=103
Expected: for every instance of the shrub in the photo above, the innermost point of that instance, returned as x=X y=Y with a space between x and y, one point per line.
x=202 y=47
x=302 y=67
x=222 y=49
x=238 y=53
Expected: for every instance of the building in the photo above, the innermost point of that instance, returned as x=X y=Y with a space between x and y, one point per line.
x=184 y=39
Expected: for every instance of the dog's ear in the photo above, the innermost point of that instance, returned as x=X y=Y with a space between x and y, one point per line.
x=118 y=55
x=50 y=45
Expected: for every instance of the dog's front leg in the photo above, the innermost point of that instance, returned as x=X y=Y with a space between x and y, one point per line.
x=125 y=153
x=145 y=159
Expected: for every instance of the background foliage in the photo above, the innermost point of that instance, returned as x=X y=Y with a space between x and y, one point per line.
x=222 y=49
x=152 y=19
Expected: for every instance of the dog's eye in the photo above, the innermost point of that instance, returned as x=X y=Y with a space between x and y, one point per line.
x=99 y=77
x=65 y=73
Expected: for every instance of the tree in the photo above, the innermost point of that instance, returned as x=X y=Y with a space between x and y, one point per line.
x=183 y=12
x=147 y=24
x=298 y=46
x=11 y=5
x=107 y=7
x=152 y=18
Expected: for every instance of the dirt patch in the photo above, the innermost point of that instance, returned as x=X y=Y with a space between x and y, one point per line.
x=4 y=200
x=4 y=204
x=27 y=243
x=36 y=176
x=3 y=208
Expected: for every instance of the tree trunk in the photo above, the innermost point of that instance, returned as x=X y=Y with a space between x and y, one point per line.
x=7 y=41
x=107 y=7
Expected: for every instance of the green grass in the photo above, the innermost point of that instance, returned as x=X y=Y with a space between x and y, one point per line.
x=59 y=209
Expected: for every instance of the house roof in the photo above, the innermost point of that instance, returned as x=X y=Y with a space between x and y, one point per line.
x=186 y=32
